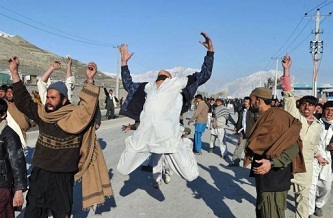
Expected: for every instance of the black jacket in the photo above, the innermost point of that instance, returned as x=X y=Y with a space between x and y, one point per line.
x=13 y=173
x=251 y=118
x=135 y=99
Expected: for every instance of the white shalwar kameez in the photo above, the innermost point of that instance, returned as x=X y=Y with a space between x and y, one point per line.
x=322 y=175
x=160 y=132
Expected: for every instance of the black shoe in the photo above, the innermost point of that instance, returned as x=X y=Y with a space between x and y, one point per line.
x=147 y=168
x=318 y=212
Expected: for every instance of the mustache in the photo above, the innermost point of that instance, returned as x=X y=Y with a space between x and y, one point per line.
x=48 y=105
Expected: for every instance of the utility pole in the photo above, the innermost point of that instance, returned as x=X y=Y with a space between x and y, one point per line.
x=275 y=79
x=316 y=48
x=117 y=71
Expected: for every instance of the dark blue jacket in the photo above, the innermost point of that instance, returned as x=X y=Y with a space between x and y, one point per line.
x=136 y=95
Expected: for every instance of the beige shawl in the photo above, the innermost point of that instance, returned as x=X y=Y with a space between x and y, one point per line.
x=93 y=171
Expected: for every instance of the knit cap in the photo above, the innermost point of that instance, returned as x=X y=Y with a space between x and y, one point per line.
x=262 y=92
x=60 y=87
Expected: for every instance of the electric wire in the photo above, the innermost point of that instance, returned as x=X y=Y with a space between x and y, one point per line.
x=318 y=6
x=25 y=17
x=289 y=37
x=326 y=4
x=284 y=51
x=52 y=33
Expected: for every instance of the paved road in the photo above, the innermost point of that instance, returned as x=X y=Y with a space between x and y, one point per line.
x=219 y=191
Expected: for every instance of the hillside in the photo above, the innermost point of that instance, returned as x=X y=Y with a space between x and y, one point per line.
x=35 y=61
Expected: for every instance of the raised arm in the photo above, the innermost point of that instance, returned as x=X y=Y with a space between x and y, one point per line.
x=69 y=67
x=285 y=79
x=70 y=79
x=198 y=78
x=54 y=66
x=13 y=68
x=125 y=55
x=288 y=93
x=206 y=69
x=42 y=82
x=126 y=77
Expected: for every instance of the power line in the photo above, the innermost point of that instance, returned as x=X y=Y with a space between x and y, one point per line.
x=269 y=65
x=326 y=4
x=295 y=40
x=321 y=5
x=80 y=39
x=300 y=43
x=56 y=34
x=289 y=37
x=277 y=54
x=138 y=61
x=51 y=27
x=316 y=7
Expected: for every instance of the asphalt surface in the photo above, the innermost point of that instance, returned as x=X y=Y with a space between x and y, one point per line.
x=219 y=191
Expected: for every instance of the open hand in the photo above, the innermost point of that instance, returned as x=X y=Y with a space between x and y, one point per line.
x=125 y=55
x=207 y=43
x=126 y=128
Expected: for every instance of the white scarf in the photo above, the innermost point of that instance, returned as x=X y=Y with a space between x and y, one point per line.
x=326 y=121
x=12 y=124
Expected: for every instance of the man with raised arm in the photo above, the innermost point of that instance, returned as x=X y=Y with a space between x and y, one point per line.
x=161 y=103
x=44 y=82
x=310 y=136
x=66 y=148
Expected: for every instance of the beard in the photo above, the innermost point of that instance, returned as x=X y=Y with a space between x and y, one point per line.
x=254 y=108
x=9 y=99
x=50 y=108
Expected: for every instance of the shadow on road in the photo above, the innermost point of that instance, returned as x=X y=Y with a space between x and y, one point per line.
x=225 y=188
x=77 y=193
x=141 y=180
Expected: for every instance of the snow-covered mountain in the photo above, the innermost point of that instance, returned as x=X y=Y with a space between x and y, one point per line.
x=238 y=88
x=243 y=86
x=5 y=34
x=210 y=87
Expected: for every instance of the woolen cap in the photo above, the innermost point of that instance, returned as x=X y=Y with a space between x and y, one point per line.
x=262 y=92
x=60 y=87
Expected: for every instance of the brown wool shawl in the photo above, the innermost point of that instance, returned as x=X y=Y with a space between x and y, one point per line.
x=19 y=117
x=275 y=131
x=93 y=171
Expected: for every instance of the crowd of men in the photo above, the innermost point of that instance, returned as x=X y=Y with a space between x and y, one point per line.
x=287 y=144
